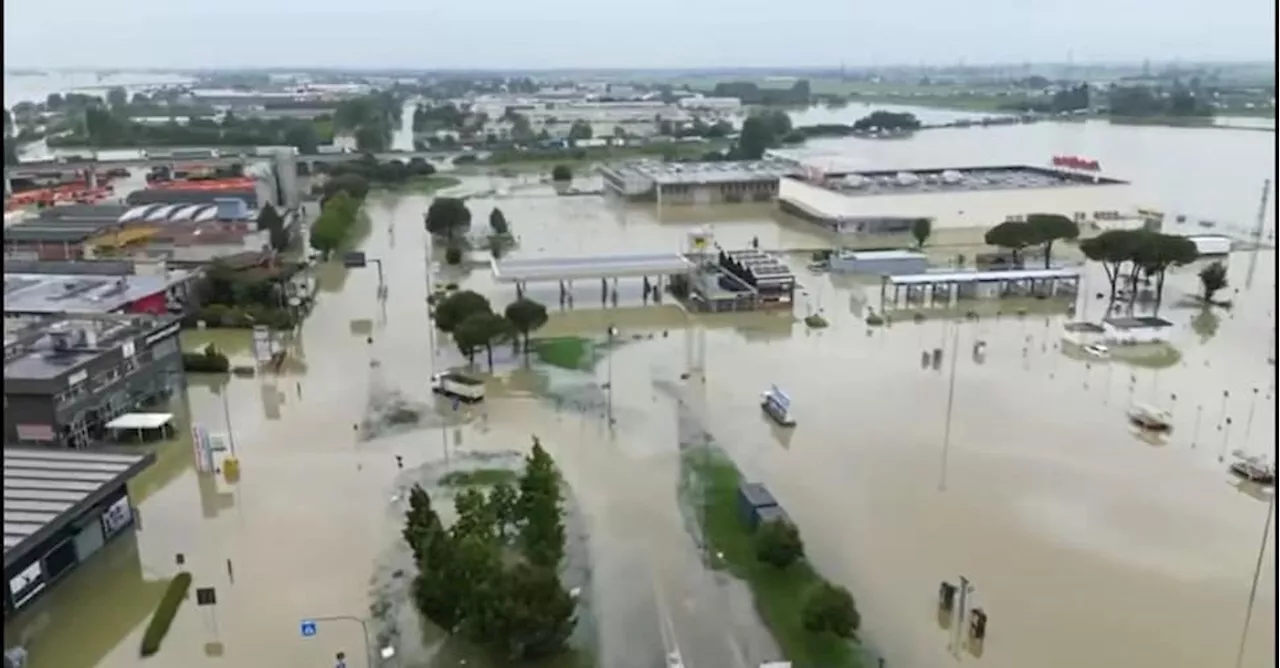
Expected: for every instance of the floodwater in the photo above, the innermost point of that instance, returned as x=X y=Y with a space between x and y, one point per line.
x=1084 y=543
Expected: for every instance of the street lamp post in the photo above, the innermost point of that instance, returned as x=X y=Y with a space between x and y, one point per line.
x=1257 y=573
x=951 y=396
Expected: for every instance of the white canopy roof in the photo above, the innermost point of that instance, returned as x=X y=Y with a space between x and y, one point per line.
x=141 y=421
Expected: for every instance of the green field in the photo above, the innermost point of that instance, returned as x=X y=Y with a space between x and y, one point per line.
x=566 y=352
x=478 y=478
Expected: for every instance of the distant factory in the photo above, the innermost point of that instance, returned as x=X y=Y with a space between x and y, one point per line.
x=877 y=209
x=698 y=182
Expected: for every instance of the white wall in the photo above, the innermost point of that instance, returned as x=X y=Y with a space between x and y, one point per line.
x=980 y=209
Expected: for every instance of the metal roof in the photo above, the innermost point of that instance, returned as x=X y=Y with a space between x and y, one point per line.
x=985 y=276
x=600 y=266
x=81 y=293
x=44 y=489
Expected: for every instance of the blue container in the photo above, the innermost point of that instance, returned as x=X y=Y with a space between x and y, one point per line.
x=752 y=496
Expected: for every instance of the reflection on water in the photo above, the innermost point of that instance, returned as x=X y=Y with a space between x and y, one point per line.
x=1084 y=544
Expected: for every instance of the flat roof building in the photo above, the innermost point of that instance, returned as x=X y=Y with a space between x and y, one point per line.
x=698 y=182
x=83 y=294
x=66 y=377
x=876 y=209
x=60 y=508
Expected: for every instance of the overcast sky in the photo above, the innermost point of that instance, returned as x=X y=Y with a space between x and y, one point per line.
x=645 y=33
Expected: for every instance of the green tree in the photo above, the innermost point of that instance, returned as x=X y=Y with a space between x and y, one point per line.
x=887 y=120
x=302 y=136
x=270 y=220
x=457 y=307
x=503 y=507
x=526 y=316
x=1156 y=253
x=1112 y=249
x=921 y=229
x=1012 y=236
x=470 y=336
x=561 y=173
x=539 y=613
x=448 y=217
x=756 y=137
x=542 y=532
x=498 y=222
x=1047 y=228
x=1213 y=278
x=453 y=254
x=117 y=98
x=354 y=185
x=484 y=329
x=829 y=609
x=778 y=543
x=580 y=130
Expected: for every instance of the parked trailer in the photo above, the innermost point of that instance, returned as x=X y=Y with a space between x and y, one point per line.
x=1210 y=245
x=458 y=386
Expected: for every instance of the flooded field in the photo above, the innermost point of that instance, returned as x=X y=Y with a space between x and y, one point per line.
x=1086 y=545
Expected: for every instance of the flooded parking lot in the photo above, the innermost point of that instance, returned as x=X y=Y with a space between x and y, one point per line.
x=1085 y=543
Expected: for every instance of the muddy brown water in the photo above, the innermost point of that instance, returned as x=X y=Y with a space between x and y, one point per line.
x=1084 y=543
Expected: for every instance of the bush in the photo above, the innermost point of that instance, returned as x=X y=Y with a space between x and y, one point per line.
x=778 y=543
x=816 y=321
x=165 y=612
x=208 y=361
x=829 y=609
x=875 y=320
x=453 y=255
x=561 y=173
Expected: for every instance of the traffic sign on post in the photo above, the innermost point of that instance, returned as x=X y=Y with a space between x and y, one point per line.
x=308 y=628
x=354 y=259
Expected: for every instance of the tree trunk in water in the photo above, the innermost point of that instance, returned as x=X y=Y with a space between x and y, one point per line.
x=1048 y=253
x=1159 y=292
x=488 y=348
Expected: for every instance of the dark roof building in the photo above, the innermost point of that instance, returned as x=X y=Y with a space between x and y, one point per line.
x=60 y=508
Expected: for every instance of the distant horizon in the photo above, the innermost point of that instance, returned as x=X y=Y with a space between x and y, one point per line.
x=781 y=70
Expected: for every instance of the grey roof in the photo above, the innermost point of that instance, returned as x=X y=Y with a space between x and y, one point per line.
x=44 y=489
x=958 y=180
x=29 y=351
x=190 y=196
x=595 y=266
x=83 y=293
x=70 y=223
x=671 y=173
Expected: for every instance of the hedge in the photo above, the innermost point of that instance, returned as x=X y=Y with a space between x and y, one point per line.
x=165 y=612
x=208 y=361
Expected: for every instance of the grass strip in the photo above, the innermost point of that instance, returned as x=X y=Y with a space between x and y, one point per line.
x=779 y=594
x=574 y=353
x=478 y=478
x=165 y=612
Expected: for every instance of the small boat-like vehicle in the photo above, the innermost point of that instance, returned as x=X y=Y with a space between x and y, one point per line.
x=777 y=405
x=1254 y=469
x=1150 y=418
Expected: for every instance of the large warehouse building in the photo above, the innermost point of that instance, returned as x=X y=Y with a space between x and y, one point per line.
x=878 y=209
x=60 y=508
x=698 y=182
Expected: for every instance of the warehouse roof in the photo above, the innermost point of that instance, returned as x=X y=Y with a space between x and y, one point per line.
x=44 y=490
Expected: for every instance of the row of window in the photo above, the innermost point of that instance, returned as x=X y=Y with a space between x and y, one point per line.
x=107 y=377
x=1079 y=216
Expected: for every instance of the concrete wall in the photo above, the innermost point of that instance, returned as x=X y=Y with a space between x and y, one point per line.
x=959 y=210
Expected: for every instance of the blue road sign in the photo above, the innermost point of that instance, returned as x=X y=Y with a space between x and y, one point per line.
x=308 y=628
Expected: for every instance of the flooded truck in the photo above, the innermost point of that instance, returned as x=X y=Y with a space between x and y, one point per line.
x=458 y=386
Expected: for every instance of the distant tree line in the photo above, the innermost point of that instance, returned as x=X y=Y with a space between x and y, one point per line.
x=751 y=93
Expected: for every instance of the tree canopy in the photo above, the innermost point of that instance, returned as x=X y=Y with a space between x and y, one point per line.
x=829 y=609
x=526 y=316
x=1213 y=278
x=887 y=121
x=457 y=307
x=498 y=222
x=1011 y=235
x=1133 y=253
x=337 y=216
x=561 y=173
x=921 y=229
x=472 y=580
x=1047 y=228
x=778 y=544
x=448 y=217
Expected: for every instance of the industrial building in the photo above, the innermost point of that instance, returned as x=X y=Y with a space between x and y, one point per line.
x=166 y=291
x=739 y=280
x=698 y=182
x=66 y=377
x=186 y=233
x=61 y=508
x=945 y=289
x=878 y=209
x=879 y=263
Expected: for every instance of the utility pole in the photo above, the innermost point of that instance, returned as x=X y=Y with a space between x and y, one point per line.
x=431 y=342
x=951 y=397
x=1257 y=572
x=226 y=417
